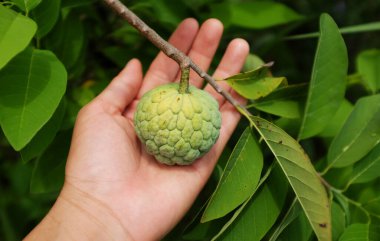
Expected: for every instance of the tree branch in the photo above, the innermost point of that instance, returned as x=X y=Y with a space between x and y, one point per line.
x=183 y=60
x=149 y=33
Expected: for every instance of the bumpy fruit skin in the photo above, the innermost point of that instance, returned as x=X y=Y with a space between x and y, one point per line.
x=177 y=128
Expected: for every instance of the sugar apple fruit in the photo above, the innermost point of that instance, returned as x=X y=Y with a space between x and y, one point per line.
x=177 y=128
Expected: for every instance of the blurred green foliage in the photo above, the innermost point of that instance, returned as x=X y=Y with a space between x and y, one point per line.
x=94 y=44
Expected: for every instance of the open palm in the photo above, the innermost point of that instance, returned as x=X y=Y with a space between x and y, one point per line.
x=107 y=162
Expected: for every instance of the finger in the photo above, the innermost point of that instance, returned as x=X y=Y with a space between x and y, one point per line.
x=230 y=119
x=204 y=48
x=163 y=69
x=231 y=63
x=123 y=88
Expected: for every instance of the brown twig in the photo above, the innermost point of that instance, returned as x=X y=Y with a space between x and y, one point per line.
x=182 y=59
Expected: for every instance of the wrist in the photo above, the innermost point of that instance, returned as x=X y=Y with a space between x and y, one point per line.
x=77 y=216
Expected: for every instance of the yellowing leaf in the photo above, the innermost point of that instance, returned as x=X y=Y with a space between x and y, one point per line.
x=256 y=83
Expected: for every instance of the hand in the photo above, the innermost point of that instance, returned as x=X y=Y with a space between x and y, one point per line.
x=111 y=183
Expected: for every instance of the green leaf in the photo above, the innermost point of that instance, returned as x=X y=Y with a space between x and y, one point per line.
x=261 y=211
x=368 y=168
x=254 y=15
x=284 y=108
x=368 y=197
x=366 y=27
x=193 y=228
x=240 y=177
x=44 y=136
x=294 y=211
x=27 y=5
x=298 y=230
x=357 y=232
x=359 y=135
x=49 y=170
x=241 y=208
x=373 y=206
x=368 y=65
x=72 y=109
x=338 y=120
x=284 y=101
x=31 y=87
x=338 y=220
x=328 y=79
x=67 y=39
x=290 y=126
x=204 y=231
x=342 y=201
x=252 y=62
x=8 y=230
x=300 y=173
x=117 y=55
x=16 y=31
x=127 y=35
x=337 y=177
x=168 y=13
x=256 y=83
x=46 y=16
x=83 y=95
x=76 y=3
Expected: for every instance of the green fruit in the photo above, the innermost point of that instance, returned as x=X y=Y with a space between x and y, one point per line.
x=177 y=128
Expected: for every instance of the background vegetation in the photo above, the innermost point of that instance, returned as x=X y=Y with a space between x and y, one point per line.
x=83 y=45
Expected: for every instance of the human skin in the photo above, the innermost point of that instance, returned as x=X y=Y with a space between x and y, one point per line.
x=114 y=190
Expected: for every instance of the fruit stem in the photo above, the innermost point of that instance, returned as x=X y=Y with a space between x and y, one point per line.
x=184 y=82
